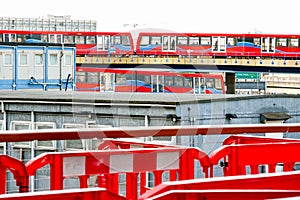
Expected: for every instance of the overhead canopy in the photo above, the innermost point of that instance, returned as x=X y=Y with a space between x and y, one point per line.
x=275 y=116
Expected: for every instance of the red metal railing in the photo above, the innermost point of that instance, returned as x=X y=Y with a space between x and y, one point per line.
x=179 y=162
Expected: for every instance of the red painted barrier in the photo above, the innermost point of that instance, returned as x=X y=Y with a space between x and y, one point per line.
x=18 y=169
x=121 y=144
x=237 y=157
x=70 y=194
x=179 y=162
x=287 y=181
x=242 y=139
x=226 y=194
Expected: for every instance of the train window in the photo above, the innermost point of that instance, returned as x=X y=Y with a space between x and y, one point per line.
x=92 y=77
x=80 y=77
x=230 y=41
x=38 y=59
x=182 y=40
x=145 y=79
x=44 y=38
x=188 y=82
x=179 y=81
x=169 y=81
x=155 y=40
x=294 y=42
x=145 y=40
x=53 y=59
x=1 y=38
x=120 y=79
x=23 y=59
x=21 y=37
x=115 y=40
x=90 y=40
x=209 y=83
x=194 y=41
x=79 y=39
x=218 y=84
x=125 y=41
x=205 y=41
x=52 y=39
x=281 y=42
x=107 y=82
x=68 y=39
x=250 y=40
x=256 y=41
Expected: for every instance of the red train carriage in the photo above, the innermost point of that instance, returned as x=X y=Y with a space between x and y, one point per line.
x=115 y=80
x=221 y=45
x=103 y=43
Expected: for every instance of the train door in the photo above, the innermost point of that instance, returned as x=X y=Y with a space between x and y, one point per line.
x=107 y=82
x=7 y=37
x=157 y=83
x=169 y=43
x=267 y=45
x=55 y=38
x=218 y=44
x=103 y=42
x=199 y=85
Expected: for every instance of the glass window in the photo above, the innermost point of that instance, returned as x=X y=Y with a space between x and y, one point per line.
x=80 y=77
x=205 y=41
x=79 y=39
x=194 y=40
x=23 y=59
x=188 y=82
x=155 y=40
x=92 y=77
x=120 y=79
x=44 y=38
x=38 y=59
x=115 y=39
x=230 y=41
x=68 y=60
x=68 y=39
x=53 y=59
x=125 y=40
x=256 y=41
x=282 y=42
x=169 y=81
x=178 y=81
x=145 y=40
x=294 y=42
x=182 y=40
x=8 y=59
x=90 y=40
x=218 y=84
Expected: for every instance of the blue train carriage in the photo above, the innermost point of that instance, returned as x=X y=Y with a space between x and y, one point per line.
x=37 y=66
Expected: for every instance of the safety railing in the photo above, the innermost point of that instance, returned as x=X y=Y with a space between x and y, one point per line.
x=260 y=186
x=72 y=194
x=108 y=165
x=18 y=169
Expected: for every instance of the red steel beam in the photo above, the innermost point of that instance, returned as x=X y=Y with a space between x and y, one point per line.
x=132 y=132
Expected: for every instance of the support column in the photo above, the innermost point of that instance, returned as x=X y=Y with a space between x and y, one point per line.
x=230 y=82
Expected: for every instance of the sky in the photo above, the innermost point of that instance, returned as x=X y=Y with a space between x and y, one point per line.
x=224 y=16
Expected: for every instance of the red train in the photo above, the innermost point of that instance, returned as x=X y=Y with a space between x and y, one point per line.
x=221 y=45
x=166 y=44
x=100 y=43
x=116 y=80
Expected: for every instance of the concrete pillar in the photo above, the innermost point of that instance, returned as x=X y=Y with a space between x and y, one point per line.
x=230 y=82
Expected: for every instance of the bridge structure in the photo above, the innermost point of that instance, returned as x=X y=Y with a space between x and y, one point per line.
x=229 y=65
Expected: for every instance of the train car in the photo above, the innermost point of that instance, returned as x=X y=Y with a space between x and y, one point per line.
x=117 y=80
x=219 y=45
x=96 y=43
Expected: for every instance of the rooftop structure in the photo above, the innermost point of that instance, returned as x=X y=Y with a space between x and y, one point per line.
x=50 y=23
